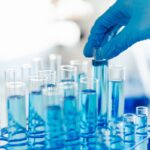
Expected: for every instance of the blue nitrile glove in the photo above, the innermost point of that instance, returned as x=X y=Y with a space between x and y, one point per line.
x=133 y=14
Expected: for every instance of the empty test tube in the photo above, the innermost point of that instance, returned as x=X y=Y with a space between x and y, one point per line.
x=100 y=72
x=116 y=93
x=82 y=67
x=17 y=135
x=129 y=125
x=54 y=119
x=88 y=110
x=36 y=126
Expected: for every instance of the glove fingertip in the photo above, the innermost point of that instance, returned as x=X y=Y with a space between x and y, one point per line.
x=88 y=50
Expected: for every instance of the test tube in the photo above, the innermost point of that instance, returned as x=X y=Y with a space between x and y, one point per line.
x=17 y=135
x=116 y=135
x=116 y=93
x=71 y=113
x=55 y=61
x=82 y=67
x=50 y=75
x=37 y=65
x=88 y=109
x=68 y=73
x=54 y=118
x=129 y=125
x=100 y=72
x=36 y=126
x=12 y=75
x=141 y=123
x=25 y=74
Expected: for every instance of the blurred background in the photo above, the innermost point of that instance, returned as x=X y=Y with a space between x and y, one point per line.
x=33 y=29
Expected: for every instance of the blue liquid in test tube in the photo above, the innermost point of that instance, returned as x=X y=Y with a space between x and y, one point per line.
x=17 y=134
x=116 y=99
x=71 y=115
x=116 y=93
x=55 y=136
x=88 y=111
x=100 y=72
x=54 y=119
x=68 y=88
x=129 y=127
x=142 y=126
x=36 y=126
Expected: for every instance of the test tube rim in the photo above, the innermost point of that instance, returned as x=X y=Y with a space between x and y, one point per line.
x=142 y=108
x=15 y=84
x=68 y=68
x=129 y=115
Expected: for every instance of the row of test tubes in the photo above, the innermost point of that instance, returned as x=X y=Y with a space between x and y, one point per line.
x=64 y=109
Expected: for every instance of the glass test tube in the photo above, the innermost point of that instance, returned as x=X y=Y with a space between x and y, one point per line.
x=68 y=73
x=37 y=65
x=68 y=88
x=55 y=61
x=142 y=120
x=116 y=135
x=100 y=72
x=50 y=75
x=116 y=93
x=88 y=110
x=71 y=113
x=55 y=135
x=82 y=67
x=36 y=126
x=17 y=135
x=25 y=74
x=129 y=125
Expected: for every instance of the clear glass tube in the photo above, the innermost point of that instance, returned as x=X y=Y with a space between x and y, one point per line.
x=26 y=72
x=116 y=93
x=55 y=62
x=54 y=119
x=37 y=65
x=88 y=110
x=82 y=67
x=129 y=125
x=50 y=75
x=71 y=113
x=36 y=126
x=68 y=73
x=12 y=75
x=141 y=123
x=100 y=72
x=116 y=135
x=17 y=135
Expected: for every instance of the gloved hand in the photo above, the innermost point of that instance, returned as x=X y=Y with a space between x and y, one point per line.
x=133 y=14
